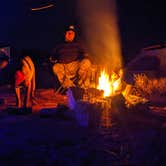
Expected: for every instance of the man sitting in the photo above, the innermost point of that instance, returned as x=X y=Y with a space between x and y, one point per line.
x=71 y=62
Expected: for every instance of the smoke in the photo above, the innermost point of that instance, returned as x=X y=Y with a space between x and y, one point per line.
x=98 y=20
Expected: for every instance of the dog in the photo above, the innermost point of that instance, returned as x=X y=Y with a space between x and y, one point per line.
x=25 y=78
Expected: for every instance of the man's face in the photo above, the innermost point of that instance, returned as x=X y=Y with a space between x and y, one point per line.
x=69 y=36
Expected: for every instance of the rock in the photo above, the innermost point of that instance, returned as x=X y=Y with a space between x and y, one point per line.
x=87 y=115
x=48 y=112
x=118 y=103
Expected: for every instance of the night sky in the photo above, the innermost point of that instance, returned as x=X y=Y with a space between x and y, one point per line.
x=142 y=23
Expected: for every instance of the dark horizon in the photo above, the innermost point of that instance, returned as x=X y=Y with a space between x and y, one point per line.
x=141 y=24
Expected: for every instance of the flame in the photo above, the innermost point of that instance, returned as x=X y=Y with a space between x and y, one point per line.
x=108 y=84
x=104 y=83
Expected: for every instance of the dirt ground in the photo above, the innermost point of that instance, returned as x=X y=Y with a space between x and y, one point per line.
x=135 y=138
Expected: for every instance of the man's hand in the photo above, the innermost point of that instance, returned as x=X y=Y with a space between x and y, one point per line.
x=53 y=60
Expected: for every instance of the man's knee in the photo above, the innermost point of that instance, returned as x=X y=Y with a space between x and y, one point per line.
x=55 y=68
x=85 y=64
x=58 y=68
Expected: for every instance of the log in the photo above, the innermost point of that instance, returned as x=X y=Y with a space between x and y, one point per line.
x=88 y=106
x=75 y=94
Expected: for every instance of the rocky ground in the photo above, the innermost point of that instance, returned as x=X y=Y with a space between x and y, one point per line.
x=135 y=138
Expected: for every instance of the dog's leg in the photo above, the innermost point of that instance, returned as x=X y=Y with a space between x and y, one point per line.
x=18 y=97
x=28 y=98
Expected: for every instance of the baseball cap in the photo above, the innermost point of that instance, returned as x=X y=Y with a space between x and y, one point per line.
x=70 y=28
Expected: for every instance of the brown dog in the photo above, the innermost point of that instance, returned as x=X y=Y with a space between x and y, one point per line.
x=25 y=78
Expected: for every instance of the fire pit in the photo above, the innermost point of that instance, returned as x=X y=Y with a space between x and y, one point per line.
x=92 y=106
x=95 y=106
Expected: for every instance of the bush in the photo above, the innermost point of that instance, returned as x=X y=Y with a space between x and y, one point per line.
x=146 y=87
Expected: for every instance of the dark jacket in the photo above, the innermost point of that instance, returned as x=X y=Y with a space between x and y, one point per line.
x=68 y=52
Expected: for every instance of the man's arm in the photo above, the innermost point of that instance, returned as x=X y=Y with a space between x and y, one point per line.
x=52 y=59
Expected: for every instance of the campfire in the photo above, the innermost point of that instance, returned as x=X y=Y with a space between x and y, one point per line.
x=96 y=105
x=109 y=84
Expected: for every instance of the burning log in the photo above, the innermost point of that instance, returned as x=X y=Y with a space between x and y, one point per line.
x=75 y=94
x=136 y=103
